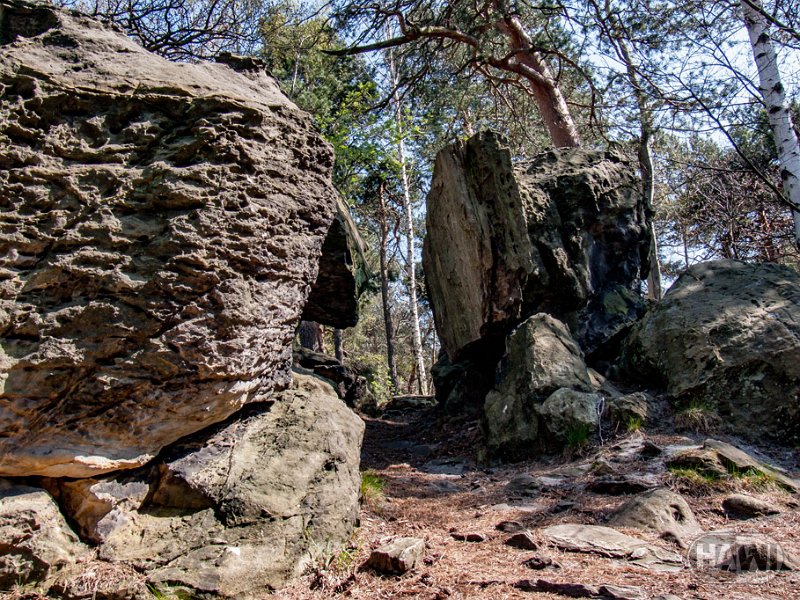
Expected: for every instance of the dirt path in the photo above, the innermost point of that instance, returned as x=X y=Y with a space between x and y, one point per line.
x=433 y=490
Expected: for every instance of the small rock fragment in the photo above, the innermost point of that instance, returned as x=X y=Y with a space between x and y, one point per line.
x=747 y=507
x=538 y=562
x=650 y=450
x=621 y=592
x=509 y=526
x=619 y=485
x=397 y=557
x=468 y=537
x=572 y=590
x=523 y=540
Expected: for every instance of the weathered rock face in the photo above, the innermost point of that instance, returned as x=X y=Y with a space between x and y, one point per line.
x=343 y=274
x=543 y=394
x=727 y=336
x=239 y=508
x=35 y=541
x=565 y=235
x=161 y=226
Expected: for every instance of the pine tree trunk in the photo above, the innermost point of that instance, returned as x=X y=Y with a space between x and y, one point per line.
x=387 y=309
x=774 y=95
x=338 y=345
x=311 y=336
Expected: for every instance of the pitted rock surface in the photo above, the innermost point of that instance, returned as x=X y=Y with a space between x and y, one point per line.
x=564 y=234
x=161 y=228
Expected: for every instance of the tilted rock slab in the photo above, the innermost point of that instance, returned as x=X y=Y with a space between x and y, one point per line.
x=564 y=234
x=161 y=226
x=726 y=337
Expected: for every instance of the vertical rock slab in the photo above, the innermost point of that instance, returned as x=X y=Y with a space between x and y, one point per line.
x=564 y=234
x=161 y=227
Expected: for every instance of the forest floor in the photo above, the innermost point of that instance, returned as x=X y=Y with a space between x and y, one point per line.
x=434 y=489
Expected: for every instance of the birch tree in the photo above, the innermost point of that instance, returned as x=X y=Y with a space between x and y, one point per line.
x=774 y=96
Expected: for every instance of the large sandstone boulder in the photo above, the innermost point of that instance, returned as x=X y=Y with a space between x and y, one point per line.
x=236 y=510
x=543 y=398
x=563 y=234
x=162 y=225
x=727 y=337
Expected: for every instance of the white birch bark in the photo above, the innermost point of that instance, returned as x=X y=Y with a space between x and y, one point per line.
x=422 y=380
x=774 y=95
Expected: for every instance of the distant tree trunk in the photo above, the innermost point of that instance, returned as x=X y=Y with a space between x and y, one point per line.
x=383 y=219
x=419 y=358
x=778 y=113
x=654 y=290
x=312 y=336
x=338 y=345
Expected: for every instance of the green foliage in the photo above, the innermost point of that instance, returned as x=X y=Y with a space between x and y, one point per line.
x=164 y=591
x=371 y=489
x=577 y=435
x=698 y=416
x=633 y=423
x=695 y=480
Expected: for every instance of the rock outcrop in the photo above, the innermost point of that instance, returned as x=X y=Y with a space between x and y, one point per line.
x=35 y=541
x=238 y=509
x=161 y=229
x=726 y=338
x=544 y=395
x=564 y=234
x=343 y=274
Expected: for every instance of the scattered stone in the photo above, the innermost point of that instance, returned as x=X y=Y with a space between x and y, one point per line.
x=747 y=507
x=620 y=485
x=604 y=541
x=352 y=387
x=602 y=467
x=562 y=506
x=509 y=526
x=571 y=590
x=397 y=557
x=35 y=540
x=409 y=403
x=243 y=506
x=741 y=322
x=523 y=540
x=524 y=484
x=443 y=486
x=444 y=466
x=660 y=510
x=468 y=537
x=570 y=417
x=650 y=450
x=704 y=462
x=537 y=563
x=622 y=592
